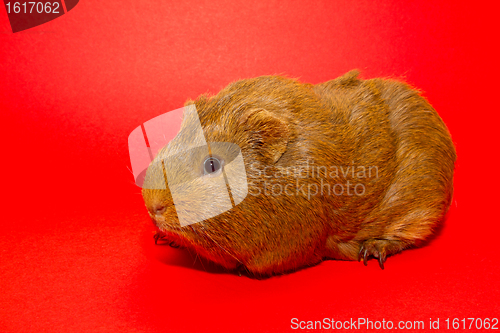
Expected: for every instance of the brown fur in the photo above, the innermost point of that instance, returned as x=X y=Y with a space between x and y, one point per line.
x=281 y=123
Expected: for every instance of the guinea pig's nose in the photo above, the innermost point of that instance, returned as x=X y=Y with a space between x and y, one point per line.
x=159 y=209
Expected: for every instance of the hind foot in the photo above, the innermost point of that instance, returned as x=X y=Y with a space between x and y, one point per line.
x=379 y=248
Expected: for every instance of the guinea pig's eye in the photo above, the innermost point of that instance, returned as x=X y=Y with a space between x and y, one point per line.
x=211 y=165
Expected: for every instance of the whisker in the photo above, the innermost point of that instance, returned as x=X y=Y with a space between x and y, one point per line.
x=129 y=170
x=205 y=233
x=201 y=262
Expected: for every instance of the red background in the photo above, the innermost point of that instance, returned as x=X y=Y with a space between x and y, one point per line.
x=76 y=247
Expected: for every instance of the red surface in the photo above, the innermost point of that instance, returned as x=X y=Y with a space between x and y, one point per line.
x=76 y=247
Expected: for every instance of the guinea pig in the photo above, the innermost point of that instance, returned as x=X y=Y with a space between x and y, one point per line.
x=347 y=169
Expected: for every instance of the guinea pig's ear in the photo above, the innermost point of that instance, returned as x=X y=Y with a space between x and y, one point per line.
x=267 y=132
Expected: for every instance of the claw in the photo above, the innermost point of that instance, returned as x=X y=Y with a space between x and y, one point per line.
x=381 y=262
x=359 y=253
x=381 y=259
x=365 y=258
x=156 y=236
x=174 y=245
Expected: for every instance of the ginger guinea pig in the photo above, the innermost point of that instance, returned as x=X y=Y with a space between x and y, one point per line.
x=347 y=169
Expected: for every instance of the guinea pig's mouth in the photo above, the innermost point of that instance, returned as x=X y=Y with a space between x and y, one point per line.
x=172 y=228
x=165 y=225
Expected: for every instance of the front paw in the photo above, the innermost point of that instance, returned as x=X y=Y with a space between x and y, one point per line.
x=162 y=237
